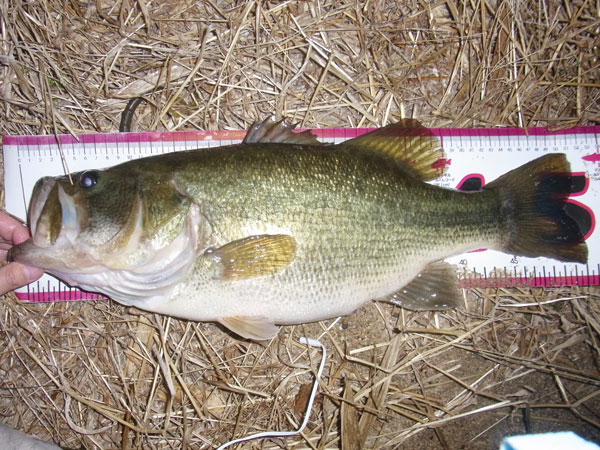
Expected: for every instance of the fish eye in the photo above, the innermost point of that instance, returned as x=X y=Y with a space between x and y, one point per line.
x=88 y=179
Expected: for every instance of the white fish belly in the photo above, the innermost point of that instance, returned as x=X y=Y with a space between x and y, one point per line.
x=283 y=298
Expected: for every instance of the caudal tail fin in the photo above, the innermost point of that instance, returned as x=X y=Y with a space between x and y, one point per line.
x=534 y=204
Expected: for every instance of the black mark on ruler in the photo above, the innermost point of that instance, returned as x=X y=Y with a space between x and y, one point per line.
x=544 y=283
x=23 y=191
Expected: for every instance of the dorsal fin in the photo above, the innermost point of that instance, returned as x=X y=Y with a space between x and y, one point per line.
x=408 y=142
x=271 y=131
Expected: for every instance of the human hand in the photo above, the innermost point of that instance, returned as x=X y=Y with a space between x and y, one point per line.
x=14 y=275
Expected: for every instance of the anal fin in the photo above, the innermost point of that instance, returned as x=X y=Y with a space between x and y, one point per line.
x=256 y=327
x=435 y=288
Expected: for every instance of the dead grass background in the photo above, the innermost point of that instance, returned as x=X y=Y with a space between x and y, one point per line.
x=98 y=375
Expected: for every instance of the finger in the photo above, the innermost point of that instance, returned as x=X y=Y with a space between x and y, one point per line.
x=20 y=234
x=11 y=230
x=15 y=275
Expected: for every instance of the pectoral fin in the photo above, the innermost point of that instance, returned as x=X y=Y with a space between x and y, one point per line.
x=254 y=256
x=435 y=288
x=256 y=328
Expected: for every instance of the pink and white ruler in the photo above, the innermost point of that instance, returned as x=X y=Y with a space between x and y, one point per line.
x=476 y=155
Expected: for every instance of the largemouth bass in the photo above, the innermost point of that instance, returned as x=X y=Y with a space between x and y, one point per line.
x=282 y=229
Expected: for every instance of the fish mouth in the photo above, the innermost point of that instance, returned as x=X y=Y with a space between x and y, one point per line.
x=55 y=220
x=39 y=231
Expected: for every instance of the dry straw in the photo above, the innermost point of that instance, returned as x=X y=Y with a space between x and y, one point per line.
x=99 y=375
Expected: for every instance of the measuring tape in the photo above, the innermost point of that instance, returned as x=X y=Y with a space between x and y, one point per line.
x=476 y=155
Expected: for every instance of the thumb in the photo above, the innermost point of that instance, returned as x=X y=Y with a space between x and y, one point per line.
x=15 y=275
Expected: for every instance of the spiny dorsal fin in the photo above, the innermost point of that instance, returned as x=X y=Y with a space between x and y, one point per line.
x=253 y=256
x=408 y=142
x=271 y=131
x=257 y=327
x=435 y=288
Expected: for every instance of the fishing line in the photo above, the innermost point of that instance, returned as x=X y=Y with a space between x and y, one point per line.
x=269 y=434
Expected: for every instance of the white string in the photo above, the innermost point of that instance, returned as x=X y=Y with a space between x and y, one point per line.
x=267 y=434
